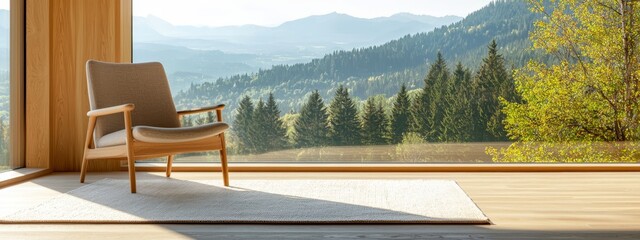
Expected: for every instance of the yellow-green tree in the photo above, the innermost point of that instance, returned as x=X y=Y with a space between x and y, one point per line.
x=592 y=90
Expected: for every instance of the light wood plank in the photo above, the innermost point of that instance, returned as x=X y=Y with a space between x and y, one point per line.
x=17 y=83
x=37 y=131
x=62 y=36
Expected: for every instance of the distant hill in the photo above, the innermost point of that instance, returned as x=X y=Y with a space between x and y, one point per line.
x=225 y=51
x=379 y=69
x=333 y=31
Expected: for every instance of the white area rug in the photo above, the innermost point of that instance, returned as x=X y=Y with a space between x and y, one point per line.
x=259 y=201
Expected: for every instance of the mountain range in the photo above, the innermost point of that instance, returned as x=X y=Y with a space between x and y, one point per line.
x=380 y=69
x=214 y=52
x=332 y=31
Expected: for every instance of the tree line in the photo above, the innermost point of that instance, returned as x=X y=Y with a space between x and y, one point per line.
x=374 y=70
x=452 y=106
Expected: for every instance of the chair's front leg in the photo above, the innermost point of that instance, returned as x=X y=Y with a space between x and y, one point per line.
x=169 y=164
x=223 y=161
x=223 y=152
x=87 y=144
x=130 y=154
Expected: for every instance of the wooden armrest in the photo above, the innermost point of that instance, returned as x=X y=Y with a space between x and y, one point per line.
x=111 y=110
x=201 y=110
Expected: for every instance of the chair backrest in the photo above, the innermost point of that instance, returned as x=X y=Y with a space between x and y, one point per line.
x=143 y=84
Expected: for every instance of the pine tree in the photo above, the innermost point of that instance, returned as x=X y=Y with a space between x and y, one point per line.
x=208 y=118
x=492 y=82
x=311 y=127
x=457 y=123
x=276 y=137
x=401 y=115
x=430 y=105
x=260 y=128
x=242 y=125
x=343 y=119
x=375 y=125
x=187 y=121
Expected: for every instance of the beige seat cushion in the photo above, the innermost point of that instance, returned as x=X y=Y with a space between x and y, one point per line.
x=163 y=135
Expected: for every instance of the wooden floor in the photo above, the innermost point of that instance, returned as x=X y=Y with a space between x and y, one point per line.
x=521 y=206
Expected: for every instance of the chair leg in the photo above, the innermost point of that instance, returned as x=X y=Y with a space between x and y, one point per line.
x=169 y=163
x=87 y=144
x=223 y=161
x=130 y=154
x=83 y=169
x=132 y=173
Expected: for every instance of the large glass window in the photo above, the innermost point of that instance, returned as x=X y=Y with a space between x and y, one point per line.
x=413 y=81
x=5 y=28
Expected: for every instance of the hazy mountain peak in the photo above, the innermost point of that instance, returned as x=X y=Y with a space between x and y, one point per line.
x=329 y=17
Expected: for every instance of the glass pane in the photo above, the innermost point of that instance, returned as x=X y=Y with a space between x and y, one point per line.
x=405 y=82
x=5 y=162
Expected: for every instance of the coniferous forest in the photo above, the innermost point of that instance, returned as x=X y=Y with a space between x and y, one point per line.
x=453 y=105
x=510 y=74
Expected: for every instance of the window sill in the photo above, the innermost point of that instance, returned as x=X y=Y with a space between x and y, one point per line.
x=391 y=167
x=20 y=175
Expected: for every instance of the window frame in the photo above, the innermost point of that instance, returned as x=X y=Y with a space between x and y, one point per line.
x=17 y=84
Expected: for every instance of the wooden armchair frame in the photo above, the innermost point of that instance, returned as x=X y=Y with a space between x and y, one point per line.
x=136 y=150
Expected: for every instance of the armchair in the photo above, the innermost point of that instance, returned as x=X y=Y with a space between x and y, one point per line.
x=133 y=117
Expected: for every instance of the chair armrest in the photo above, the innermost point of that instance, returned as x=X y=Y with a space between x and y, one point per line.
x=111 y=110
x=218 y=107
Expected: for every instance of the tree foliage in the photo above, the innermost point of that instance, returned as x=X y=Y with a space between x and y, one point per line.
x=242 y=124
x=492 y=83
x=401 y=115
x=343 y=119
x=591 y=92
x=259 y=129
x=311 y=127
x=429 y=106
x=276 y=137
x=459 y=114
x=375 y=124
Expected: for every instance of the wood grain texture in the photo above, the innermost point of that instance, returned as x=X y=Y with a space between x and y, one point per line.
x=21 y=175
x=595 y=205
x=388 y=167
x=62 y=36
x=37 y=133
x=17 y=93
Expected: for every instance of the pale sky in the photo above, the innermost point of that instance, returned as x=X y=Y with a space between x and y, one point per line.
x=275 y=12
x=4 y=4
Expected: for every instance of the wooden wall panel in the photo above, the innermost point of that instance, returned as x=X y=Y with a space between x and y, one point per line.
x=37 y=85
x=17 y=83
x=79 y=30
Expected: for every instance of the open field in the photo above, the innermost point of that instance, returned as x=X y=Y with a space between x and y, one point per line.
x=403 y=153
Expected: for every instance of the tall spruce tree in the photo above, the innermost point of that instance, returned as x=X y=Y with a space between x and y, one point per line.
x=208 y=118
x=260 y=128
x=457 y=122
x=492 y=82
x=430 y=105
x=243 y=125
x=343 y=119
x=187 y=121
x=276 y=137
x=375 y=124
x=401 y=115
x=311 y=127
